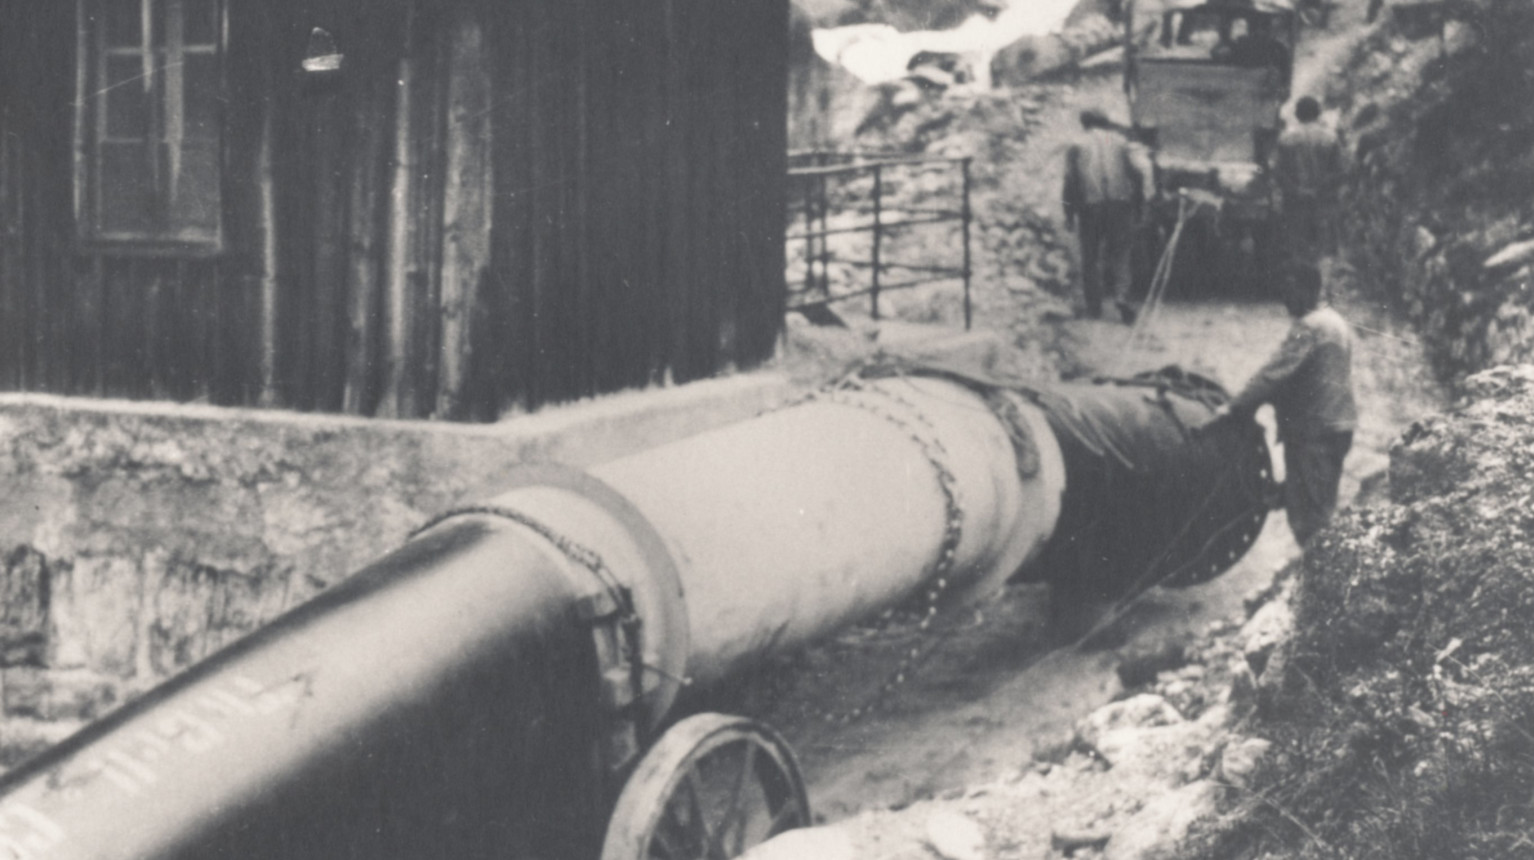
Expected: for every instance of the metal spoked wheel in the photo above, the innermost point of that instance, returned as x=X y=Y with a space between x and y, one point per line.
x=712 y=787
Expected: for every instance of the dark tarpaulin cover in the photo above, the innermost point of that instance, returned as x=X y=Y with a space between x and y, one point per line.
x=1147 y=501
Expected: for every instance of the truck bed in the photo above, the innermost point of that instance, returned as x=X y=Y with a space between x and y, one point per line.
x=1203 y=110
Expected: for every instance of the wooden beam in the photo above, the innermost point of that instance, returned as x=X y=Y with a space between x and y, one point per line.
x=397 y=248
x=363 y=267
x=466 y=211
x=266 y=241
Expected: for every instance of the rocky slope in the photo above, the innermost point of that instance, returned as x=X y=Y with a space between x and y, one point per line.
x=1439 y=214
x=1402 y=708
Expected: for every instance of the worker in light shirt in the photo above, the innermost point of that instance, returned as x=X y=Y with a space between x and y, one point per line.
x=1309 y=381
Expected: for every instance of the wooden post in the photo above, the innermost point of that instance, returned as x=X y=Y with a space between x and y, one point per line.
x=466 y=210
x=397 y=249
x=429 y=134
x=363 y=264
x=825 y=239
x=266 y=215
x=809 y=235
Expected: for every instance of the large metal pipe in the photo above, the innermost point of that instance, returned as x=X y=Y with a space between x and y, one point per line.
x=473 y=693
x=803 y=521
x=438 y=703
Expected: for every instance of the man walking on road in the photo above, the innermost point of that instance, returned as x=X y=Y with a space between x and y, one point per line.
x=1104 y=189
x=1308 y=168
x=1309 y=381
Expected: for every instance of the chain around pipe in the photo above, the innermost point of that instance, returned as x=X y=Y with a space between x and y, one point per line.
x=855 y=393
x=627 y=615
x=567 y=546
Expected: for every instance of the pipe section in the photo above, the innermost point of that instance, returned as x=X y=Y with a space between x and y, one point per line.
x=803 y=521
x=439 y=703
x=1150 y=502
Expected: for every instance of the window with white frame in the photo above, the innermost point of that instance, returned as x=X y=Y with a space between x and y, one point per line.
x=149 y=124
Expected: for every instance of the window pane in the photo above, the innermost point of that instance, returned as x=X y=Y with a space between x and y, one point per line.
x=127 y=105
x=194 y=195
x=122 y=19
x=153 y=143
x=200 y=112
x=201 y=18
x=127 y=189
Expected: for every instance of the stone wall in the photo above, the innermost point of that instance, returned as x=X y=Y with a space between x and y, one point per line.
x=138 y=538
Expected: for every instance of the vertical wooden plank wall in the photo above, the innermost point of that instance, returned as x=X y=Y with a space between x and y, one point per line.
x=759 y=163
x=564 y=197
x=637 y=237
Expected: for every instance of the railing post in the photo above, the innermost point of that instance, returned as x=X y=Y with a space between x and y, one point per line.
x=965 y=215
x=878 y=235
x=809 y=235
x=825 y=243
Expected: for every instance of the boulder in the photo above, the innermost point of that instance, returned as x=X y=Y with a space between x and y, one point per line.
x=1142 y=711
x=822 y=843
x=1268 y=627
x=1170 y=755
x=1155 y=831
x=1242 y=759
x=954 y=836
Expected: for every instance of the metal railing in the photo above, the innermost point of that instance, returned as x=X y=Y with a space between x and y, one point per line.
x=820 y=182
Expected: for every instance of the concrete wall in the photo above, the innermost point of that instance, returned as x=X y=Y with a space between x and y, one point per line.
x=138 y=538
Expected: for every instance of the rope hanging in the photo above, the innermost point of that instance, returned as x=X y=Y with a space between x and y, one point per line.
x=1188 y=204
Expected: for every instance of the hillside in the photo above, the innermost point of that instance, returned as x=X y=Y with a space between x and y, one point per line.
x=1401 y=710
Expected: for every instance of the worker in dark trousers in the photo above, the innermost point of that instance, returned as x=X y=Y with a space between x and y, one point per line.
x=1308 y=168
x=1104 y=190
x=1309 y=381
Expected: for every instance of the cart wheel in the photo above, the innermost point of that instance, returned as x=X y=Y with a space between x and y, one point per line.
x=711 y=787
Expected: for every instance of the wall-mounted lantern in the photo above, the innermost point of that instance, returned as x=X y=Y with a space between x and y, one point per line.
x=322 y=58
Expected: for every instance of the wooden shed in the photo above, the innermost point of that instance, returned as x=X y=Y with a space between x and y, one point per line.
x=388 y=207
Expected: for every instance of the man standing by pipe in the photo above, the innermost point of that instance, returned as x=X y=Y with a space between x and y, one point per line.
x=1309 y=382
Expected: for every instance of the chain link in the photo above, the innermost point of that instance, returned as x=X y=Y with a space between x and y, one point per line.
x=567 y=546
x=627 y=618
x=853 y=392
